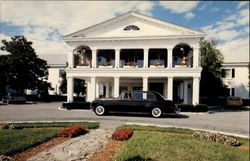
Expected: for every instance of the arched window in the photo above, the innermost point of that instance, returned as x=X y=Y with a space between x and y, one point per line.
x=131 y=27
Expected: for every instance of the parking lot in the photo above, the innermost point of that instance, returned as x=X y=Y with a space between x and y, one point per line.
x=235 y=121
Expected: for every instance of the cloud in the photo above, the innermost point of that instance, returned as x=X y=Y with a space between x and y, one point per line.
x=44 y=23
x=241 y=4
x=236 y=50
x=215 y=10
x=3 y=37
x=189 y=15
x=234 y=33
x=243 y=17
x=67 y=16
x=179 y=6
x=202 y=7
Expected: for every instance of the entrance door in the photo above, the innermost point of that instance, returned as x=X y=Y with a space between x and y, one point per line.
x=157 y=87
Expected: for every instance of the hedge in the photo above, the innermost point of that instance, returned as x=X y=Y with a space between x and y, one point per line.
x=193 y=108
x=76 y=105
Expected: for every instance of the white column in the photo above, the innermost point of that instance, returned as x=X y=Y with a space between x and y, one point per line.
x=181 y=90
x=196 y=53
x=145 y=83
x=94 y=58
x=71 y=58
x=107 y=90
x=185 y=92
x=97 y=90
x=117 y=58
x=170 y=57
x=70 y=89
x=196 y=89
x=88 y=91
x=92 y=88
x=116 y=86
x=165 y=92
x=170 y=88
x=145 y=58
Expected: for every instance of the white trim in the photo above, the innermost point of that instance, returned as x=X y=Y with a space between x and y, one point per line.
x=135 y=15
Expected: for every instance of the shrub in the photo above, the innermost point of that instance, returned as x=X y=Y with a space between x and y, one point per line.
x=76 y=105
x=123 y=134
x=13 y=126
x=217 y=138
x=185 y=107
x=72 y=131
x=4 y=126
x=5 y=158
x=200 y=108
x=193 y=108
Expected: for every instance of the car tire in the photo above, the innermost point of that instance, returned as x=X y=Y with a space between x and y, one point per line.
x=156 y=112
x=100 y=110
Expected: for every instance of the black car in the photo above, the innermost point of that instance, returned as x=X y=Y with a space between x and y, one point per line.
x=136 y=101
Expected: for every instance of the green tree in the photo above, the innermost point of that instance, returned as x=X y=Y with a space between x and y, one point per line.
x=211 y=84
x=79 y=85
x=22 y=68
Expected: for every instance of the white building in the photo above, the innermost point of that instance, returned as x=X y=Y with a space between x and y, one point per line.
x=236 y=78
x=56 y=66
x=135 y=52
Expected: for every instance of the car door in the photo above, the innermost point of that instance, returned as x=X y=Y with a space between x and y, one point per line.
x=148 y=101
x=123 y=103
x=137 y=103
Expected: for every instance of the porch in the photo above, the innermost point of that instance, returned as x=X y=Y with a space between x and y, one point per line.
x=179 y=89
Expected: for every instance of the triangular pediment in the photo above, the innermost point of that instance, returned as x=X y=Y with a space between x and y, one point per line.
x=133 y=25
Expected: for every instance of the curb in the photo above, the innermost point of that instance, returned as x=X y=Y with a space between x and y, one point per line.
x=220 y=132
x=196 y=113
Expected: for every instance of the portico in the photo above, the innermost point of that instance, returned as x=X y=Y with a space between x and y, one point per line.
x=120 y=60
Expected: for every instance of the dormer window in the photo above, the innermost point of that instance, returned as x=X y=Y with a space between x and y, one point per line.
x=131 y=27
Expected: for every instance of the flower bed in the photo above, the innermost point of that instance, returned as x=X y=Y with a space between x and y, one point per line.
x=132 y=64
x=72 y=131
x=216 y=138
x=123 y=134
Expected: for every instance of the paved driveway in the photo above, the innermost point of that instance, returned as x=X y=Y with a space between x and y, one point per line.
x=227 y=121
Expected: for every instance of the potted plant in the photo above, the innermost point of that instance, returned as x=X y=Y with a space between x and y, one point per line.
x=183 y=63
x=105 y=64
x=130 y=64
x=83 y=65
x=157 y=64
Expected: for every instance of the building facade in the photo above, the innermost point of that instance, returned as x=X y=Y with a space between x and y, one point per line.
x=56 y=67
x=135 y=52
x=237 y=78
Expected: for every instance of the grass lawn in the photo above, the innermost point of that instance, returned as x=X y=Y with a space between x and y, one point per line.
x=173 y=144
x=90 y=125
x=18 y=140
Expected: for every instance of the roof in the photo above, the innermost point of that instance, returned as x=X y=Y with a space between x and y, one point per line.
x=54 y=59
x=132 y=14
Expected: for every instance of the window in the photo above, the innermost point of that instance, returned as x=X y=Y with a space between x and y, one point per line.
x=233 y=73
x=144 y=96
x=131 y=27
x=227 y=73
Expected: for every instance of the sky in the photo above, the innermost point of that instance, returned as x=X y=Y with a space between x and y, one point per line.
x=45 y=22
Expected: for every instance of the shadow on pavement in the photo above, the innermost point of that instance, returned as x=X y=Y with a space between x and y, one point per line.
x=228 y=109
x=145 y=115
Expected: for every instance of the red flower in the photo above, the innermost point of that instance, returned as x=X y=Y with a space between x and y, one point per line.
x=72 y=131
x=123 y=134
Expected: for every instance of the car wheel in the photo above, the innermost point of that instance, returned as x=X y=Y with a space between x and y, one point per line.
x=99 y=110
x=156 y=112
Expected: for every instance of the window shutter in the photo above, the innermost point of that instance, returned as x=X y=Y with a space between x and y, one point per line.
x=233 y=73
